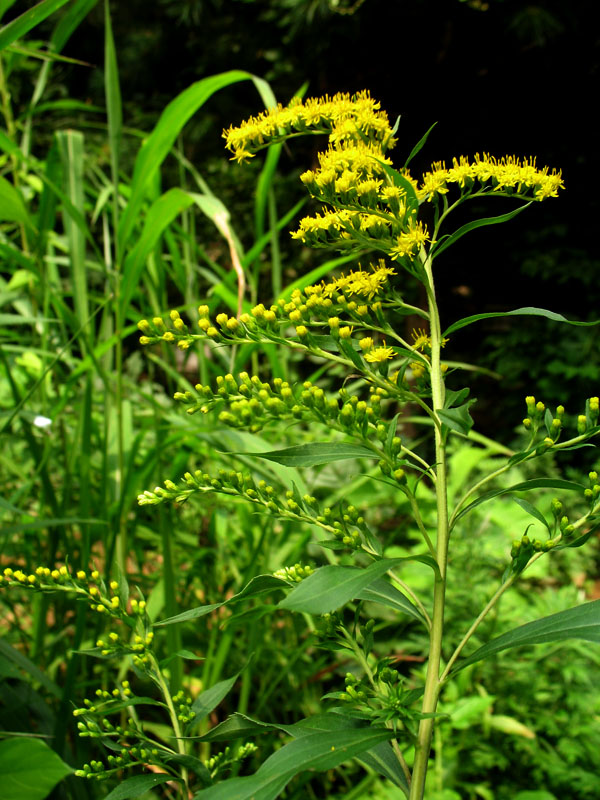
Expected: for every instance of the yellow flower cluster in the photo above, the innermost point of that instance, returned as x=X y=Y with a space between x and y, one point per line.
x=359 y=282
x=344 y=117
x=519 y=176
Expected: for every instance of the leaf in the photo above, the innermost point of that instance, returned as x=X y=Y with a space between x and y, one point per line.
x=532 y=510
x=582 y=622
x=210 y=699
x=457 y=419
x=160 y=214
x=382 y=592
x=332 y=586
x=419 y=145
x=535 y=483
x=315 y=752
x=29 y=769
x=526 y=311
x=237 y=726
x=12 y=207
x=29 y=19
x=138 y=785
x=310 y=455
x=476 y=223
x=260 y=584
x=156 y=147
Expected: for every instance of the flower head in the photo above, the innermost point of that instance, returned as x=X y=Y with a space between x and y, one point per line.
x=379 y=354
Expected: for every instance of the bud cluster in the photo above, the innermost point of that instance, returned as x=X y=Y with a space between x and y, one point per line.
x=563 y=532
x=538 y=415
x=182 y=703
x=293 y=574
x=348 y=527
x=384 y=699
x=138 y=647
x=104 y=599
x=216 y=764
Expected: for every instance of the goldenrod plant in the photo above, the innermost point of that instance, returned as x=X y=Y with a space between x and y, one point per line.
x=354 y=324
x=345 y=579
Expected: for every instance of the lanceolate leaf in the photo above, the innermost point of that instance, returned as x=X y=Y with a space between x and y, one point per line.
x=28 y=20
x=582 y=622
x=137 y=786
x=261 y=584
x=210 y=698
x=532 y=510
x=526 y=311
x=309 y=455
x=477 y=223
x=157 y=146
x=381 y=757
x=418 y=146
x=315 y=752
x=535 y=483
x=382 y=592
x=332 y=586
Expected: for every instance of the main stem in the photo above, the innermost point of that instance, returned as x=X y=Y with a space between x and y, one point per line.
x=432 y=680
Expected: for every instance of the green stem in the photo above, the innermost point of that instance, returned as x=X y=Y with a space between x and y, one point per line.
x=432 y=680
x=160 y=682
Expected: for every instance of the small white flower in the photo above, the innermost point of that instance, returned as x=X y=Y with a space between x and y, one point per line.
x=42 y=422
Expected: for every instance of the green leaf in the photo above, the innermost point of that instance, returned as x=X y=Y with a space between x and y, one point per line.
x=160 y=214
x=535 y=483
x=418 y=146
x=316 y=752
x=12 y=207
x=476 y=223
x=332 y=586
x=29 y=19
x=526 y=311
x=237 y=726
x=29 y=769
x=155 y=149
x=260 y=584
x=457 y=419
x=582 y=622
x=532 y=510
x=309 y=455
x=382 y=592
x=210 y=699
x=138 y=785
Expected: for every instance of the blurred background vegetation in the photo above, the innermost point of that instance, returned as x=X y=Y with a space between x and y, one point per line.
x=502 y=76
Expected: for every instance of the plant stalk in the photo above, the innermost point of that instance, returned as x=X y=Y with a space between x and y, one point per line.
x=432 y=680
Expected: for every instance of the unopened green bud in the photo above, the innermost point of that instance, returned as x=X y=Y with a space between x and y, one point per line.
x=400 y=476
x=527 y=423
x=530 y=402
x=556 y=507
x=581 y=424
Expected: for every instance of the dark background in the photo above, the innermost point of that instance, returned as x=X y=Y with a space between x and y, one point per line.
x=503 y=76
